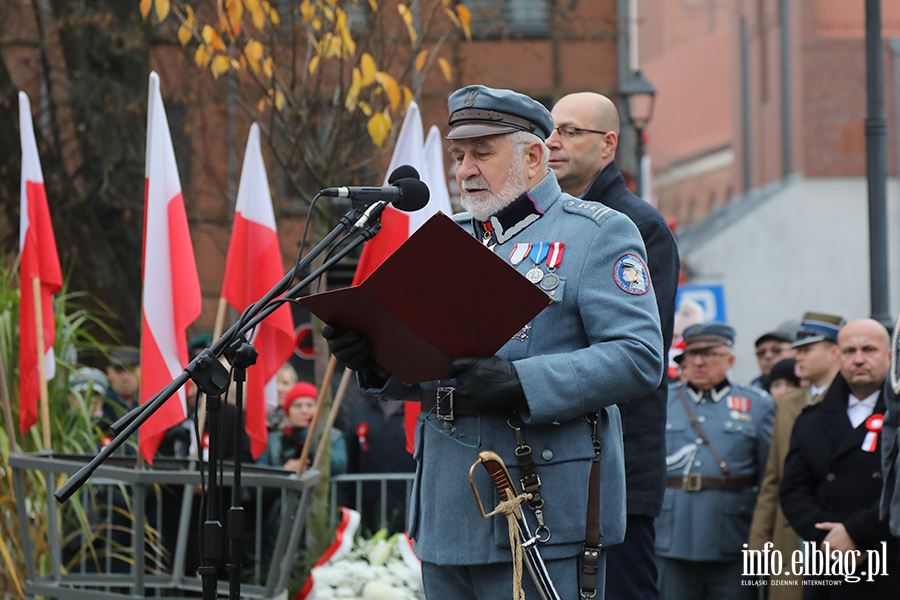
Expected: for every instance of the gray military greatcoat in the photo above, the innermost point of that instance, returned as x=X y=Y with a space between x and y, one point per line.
x=598 y=343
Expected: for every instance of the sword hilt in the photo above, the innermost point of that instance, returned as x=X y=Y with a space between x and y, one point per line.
x=496 y=468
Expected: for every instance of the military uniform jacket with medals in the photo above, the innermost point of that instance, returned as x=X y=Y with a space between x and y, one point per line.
x=595 y=345
x=713 y=524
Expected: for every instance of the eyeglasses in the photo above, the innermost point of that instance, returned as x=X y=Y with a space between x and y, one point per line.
x=569 y=132
x=706 y=354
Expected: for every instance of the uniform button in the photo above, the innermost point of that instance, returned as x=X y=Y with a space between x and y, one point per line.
x=697 y=463
x=570 y=203
x=728 y=424
x=701 y=419
x=668 y=426
x=547 y=454
x=698 y=441
x=830 y=477
x=739 y=427
x=876 y=475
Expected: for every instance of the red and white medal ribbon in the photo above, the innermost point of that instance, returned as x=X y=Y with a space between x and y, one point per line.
x=520 y=251
x=873 y=424
x=739 y=403
x=556 y=254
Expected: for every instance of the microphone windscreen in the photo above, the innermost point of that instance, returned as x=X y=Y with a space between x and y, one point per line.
x=403 y=172
x=415 y=194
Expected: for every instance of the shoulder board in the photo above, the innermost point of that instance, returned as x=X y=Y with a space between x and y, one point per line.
x=747 y=390
x=462 y=217
x=592 y=210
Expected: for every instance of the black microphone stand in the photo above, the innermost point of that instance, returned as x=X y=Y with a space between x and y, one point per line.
x=212 y=379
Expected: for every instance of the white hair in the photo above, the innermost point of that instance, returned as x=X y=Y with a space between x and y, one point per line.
x=520 y=140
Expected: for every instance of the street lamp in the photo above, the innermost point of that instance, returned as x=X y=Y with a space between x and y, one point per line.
x=639 y=96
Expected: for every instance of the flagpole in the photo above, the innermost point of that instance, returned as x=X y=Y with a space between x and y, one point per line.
x=7 y=411
x=217 y=333
x=332 y=416
x=42 y=368
x=220 y=317
x=326 y=383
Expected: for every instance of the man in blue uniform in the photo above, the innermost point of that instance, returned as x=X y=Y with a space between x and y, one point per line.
x=596 y=344
x=717 y=443
x=582 y=152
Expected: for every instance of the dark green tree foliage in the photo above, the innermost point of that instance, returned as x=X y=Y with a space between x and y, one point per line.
x=93 y=58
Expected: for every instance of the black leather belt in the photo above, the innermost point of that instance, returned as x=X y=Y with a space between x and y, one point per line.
x=694 y=482
x=441 y=404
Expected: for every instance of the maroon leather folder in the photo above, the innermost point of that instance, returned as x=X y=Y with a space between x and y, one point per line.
x=440 y=295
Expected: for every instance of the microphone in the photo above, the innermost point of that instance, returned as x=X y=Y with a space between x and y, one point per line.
x=413 y=195
x=405 y=194
x=403 y=172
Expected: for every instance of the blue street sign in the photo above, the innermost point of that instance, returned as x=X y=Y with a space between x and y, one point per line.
x=710 y=296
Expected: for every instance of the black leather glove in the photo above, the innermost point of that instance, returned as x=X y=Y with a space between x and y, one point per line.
x=350 y=348
x=488 y=384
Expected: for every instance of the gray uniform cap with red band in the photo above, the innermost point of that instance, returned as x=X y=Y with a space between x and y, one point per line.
x=477 y=111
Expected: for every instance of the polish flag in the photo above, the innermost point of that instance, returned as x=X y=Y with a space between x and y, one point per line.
x=252 y=268
x=37 y=248
x=397 y=226
x=171 y=298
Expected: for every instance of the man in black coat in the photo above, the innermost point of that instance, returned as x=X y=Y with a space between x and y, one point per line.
x=832 y=480
x=582 y=152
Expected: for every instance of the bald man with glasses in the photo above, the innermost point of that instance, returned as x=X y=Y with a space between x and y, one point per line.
x=582 y=151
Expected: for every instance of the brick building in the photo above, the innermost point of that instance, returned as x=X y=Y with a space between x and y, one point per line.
x=767 y=181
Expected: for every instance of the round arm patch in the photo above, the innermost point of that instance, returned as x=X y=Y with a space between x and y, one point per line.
x=631 y=274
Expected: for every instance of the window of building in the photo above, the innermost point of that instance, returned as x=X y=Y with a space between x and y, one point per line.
x=519 y=18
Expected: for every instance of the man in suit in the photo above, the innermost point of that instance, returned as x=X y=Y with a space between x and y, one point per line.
x=832 y=475
x=818 y=360
x=717 y=441
x=582 y=152
x=598 y=342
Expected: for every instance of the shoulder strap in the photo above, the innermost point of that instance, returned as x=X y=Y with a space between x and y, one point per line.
x=696 y=425
x=592 y=548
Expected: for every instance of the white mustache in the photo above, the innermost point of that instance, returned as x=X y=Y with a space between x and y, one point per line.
x=477 y=183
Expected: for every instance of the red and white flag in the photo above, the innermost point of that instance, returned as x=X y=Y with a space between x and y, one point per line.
x=252 y=268
x=171 y=297
x=397 y=226
x=37 y=249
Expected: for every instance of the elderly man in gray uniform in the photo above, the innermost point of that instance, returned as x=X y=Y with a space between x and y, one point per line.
x=717 y=444
x=596 y=344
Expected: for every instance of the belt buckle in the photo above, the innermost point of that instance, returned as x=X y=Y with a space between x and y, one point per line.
x=444 y=403
x=692 y=482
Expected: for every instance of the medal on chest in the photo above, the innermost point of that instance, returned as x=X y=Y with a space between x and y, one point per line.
x=554 y=257
x=537 y=255
x=740 y=408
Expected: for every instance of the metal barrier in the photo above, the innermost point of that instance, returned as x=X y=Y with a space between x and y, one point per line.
x=358 y=479
x=119 y=471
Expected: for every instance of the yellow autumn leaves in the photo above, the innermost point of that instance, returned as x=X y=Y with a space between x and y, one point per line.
x=228 y=41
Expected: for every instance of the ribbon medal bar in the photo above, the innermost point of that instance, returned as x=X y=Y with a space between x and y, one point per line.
x=551 y=280
x=537 y=255
x=520 y=251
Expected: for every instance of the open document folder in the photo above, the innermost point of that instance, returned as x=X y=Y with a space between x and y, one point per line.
x=440 y=295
